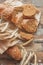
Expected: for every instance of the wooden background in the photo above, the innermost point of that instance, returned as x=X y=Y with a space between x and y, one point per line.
x=6 y=60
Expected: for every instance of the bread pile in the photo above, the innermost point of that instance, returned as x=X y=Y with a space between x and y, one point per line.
x=18 y=23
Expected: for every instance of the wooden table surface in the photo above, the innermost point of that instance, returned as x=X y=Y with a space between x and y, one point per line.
x=5 y=60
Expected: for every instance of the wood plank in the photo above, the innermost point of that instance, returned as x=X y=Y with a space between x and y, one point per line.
x=39 y=56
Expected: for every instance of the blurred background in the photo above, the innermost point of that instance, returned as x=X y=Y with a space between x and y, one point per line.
x=35 y=2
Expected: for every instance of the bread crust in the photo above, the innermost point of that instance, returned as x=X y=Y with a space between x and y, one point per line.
x=26 y=36
x=29 y=10
x=14 y=52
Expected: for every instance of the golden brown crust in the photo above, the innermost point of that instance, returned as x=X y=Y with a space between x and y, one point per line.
x=7 y=13
x=19 y=9
x=30 y=25
x=15 y=53
x=29 y=10
x=26 y=36
x=2 y=7
x=17 y=19
x=14 y=18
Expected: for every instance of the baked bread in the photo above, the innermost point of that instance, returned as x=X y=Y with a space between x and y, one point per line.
x=30 y=25
x=29 y=10
x=7 y=13
x=26 y=36
x=14 y=52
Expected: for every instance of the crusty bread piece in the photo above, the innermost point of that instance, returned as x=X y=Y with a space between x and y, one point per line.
x=29 y=10
x=26 y=36
x=7 y=13
x=14 y=52
x=30 y=25
x=17 y=19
